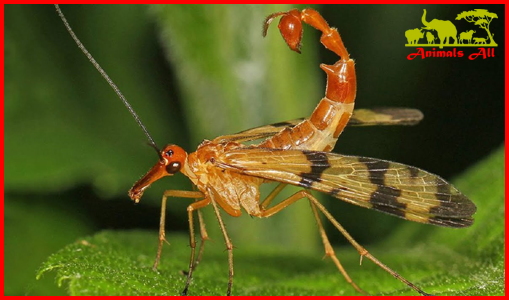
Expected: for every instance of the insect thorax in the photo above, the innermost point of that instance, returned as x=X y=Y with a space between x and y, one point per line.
x=228 y=188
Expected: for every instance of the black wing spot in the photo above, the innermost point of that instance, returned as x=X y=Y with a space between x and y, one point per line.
x=335 y=191
x=450 y=222
x=376 y=169
x=443 y=190
x=452 y=202
x=390 y=210
x=414 y=172
x=319 y=163
x=385 y=198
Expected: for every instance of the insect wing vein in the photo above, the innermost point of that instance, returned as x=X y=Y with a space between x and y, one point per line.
x=397 y=189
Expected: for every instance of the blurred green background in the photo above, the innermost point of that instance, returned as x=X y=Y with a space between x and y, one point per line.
x=193 y=72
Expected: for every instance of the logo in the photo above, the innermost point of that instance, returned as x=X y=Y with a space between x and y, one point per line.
x=443 y=33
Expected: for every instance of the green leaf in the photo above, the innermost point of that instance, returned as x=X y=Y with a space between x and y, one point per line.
x=441 y=261
x=32 y=231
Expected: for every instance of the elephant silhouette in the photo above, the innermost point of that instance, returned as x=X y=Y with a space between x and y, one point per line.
x=430 y=37
x=414 y=35
x=467 y=35
x=445 y=29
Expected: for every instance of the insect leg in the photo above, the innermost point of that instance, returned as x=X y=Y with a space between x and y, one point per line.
x=203 y=234
x=272 y=195
x=192 y=243
x=329 y=251
x=229 y=245
x=170 y=193
x=204 y=237
x=362 y=251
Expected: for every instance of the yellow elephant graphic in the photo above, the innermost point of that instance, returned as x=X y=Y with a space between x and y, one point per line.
x=445 y=29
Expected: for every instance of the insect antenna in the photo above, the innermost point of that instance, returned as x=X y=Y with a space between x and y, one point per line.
x=107 y=78
x=153 y=145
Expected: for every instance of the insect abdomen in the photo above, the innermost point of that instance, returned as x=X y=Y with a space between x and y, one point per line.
x=320 y=131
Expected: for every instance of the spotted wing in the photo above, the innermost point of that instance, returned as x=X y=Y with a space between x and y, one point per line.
x=386 y=116
x=360 y=117
x=400 y=190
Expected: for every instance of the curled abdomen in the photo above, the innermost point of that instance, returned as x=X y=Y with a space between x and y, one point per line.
x=320 y=131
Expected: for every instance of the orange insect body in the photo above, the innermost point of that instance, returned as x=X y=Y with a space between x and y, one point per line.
x=231 y=189
x=318 y=133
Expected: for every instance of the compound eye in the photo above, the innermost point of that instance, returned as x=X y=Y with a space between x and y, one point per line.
x=169 y=153
x=173 y=167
